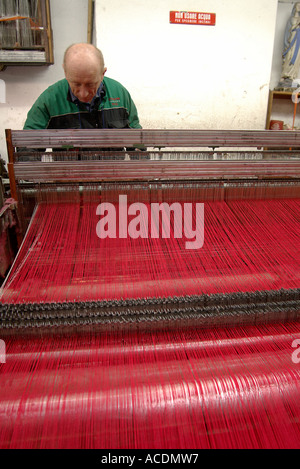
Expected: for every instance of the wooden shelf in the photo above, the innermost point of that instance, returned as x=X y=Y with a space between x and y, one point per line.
x=27 y=46
x=273 y=94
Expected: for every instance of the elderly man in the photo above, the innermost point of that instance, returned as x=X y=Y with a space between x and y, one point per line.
x=85 y=99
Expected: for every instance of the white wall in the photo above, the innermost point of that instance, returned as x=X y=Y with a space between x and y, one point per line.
x=25 y=83
x=188 y=76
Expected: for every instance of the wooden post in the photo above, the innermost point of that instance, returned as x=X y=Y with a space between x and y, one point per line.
x=90 y=21
x=12 y=181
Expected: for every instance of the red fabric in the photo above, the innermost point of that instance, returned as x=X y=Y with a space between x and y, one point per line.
x=189 y=388
x=210 y=388
x=248 y=245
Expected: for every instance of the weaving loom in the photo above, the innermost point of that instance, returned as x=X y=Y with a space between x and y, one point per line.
x=138 y=341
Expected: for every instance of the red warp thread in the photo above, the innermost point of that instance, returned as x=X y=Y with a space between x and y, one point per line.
x=189 y=388
x=248 y=246
x=173 y=388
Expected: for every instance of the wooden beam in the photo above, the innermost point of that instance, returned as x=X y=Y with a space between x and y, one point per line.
x=90 y=21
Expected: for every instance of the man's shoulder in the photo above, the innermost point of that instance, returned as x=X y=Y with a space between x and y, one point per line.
x=112 y=84
x=60 y=86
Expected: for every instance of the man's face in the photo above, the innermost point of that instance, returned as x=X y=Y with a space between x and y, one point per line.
x=84 y=82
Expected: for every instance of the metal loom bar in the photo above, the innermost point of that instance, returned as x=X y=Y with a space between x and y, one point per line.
x=75 y=138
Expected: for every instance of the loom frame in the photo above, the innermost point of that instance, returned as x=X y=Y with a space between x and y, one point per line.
x=277 y=168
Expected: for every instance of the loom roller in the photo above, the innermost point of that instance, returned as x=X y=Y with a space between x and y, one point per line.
x=255 y=165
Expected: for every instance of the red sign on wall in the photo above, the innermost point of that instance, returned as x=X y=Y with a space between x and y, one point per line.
x=192 y=17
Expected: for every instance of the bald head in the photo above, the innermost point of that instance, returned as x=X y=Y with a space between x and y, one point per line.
x=84 y=70
x=83 y=52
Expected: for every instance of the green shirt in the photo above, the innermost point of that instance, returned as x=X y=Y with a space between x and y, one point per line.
x=54 y=109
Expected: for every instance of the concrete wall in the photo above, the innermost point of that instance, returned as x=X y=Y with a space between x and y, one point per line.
x=179 y=75
x=25 y=83
x=191 y=76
